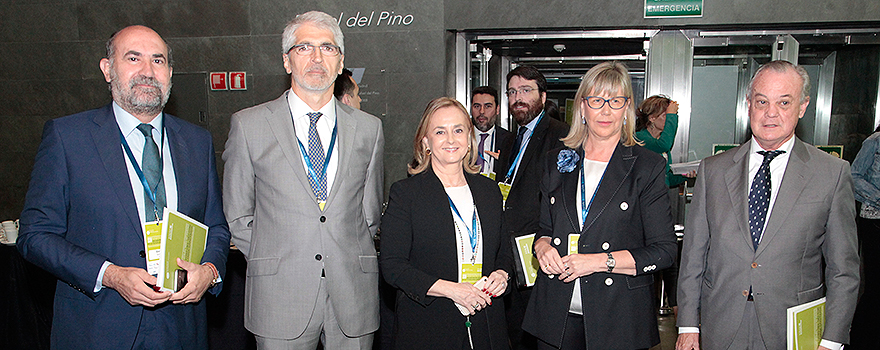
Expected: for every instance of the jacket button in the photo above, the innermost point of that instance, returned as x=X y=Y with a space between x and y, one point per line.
x=754 y=265
x=609 y=281
x=142 y=254
x=318 y=257
x=552 y=200
x=323 y=218
x=605 y=246
x=557 y=241
x=745 y=293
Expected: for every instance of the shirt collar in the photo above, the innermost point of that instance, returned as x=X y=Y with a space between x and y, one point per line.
x=299 y=108
x=754 y=147
x=129 y=123
x=490 y=131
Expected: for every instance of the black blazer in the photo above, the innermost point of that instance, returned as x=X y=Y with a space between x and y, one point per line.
x=630 y=211
x=522 y=208
x=418 y=248
x=502 y=137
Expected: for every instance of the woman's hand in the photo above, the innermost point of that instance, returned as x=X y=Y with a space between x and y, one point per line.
x=548 y=257
x=672 y=108
x=496 y=283
x=464 y=294
x=577 y=265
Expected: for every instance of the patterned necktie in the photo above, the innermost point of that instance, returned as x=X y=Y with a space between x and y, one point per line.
x=517 y=144
x=480 y=148
x=316 y=156
x=153 y=174
x=759 y=197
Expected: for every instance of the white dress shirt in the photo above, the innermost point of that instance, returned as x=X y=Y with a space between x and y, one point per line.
x=325 y=124
x=488 y=145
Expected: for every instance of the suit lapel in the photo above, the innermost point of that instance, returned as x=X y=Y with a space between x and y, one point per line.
x=737 y=179
x=179 y=157
x=346 y=130
x=535 y=143
x=109 y=147
x=616 y=174
x=796 y=177
x=569 y=192
x=281 y=124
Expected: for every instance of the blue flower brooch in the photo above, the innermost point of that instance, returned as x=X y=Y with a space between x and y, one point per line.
x=567 y=160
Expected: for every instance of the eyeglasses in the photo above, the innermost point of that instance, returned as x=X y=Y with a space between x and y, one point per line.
x=523 y=91
x=596 y=102
x=307 y=49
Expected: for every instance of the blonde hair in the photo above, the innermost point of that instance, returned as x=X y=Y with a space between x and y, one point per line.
x=605 y=78
x=421 y=155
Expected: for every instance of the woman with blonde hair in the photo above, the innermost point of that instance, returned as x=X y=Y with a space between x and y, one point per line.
x=605 y=227
x=441 y=243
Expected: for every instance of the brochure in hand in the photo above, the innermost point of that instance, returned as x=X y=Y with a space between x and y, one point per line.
x=806 y=323
x=184 y=238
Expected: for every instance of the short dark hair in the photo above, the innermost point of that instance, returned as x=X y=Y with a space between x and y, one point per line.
x=343 y=84
x=529 y=73
x=485 y=90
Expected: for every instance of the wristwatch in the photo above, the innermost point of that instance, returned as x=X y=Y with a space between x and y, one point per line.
x=610 y=262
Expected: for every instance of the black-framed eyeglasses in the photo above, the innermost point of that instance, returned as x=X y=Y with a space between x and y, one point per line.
x=307 y=49
x=596 y=102
x=522 y=91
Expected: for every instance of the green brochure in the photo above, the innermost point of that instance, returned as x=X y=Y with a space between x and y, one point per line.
x=184 y=238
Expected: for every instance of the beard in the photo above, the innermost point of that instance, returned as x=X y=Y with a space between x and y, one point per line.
x=139 y=100
x=483 y=125
x=320 y=85
x=526 y=116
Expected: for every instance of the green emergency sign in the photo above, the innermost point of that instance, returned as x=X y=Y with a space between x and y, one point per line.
x=673 y=8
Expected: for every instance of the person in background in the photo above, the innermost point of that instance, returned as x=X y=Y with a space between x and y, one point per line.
x=490 y=137
x=441 y=234
x=346 y=90
x=101 y=177
x=605 y=227
x=656 y=126
x=866 y=187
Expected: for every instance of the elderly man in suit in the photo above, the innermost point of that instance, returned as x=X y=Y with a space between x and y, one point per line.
x=771 y=226
x=303 y=183
x=100 y=176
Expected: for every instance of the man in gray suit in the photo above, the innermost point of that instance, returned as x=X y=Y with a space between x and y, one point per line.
x=768 y=230
x=303 y=194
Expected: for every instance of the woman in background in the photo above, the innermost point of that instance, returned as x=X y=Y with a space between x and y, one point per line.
x=656 y=125
x=441 y=234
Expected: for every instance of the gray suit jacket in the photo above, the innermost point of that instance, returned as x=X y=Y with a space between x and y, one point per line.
x=812 y=224
x=288 y=241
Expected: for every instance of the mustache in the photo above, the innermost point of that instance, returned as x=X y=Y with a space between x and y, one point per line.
x=316 y=69
x=520 y=104
x=145 y=80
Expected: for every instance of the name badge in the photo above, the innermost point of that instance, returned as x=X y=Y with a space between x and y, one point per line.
x=505 y=190
x=489 y=175
x=153 y=245
x=470 y=273
x=573 y=243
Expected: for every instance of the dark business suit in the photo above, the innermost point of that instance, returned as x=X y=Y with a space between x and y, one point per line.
x=419 y=247
x=80 y=211
x=502 y=137
x=523 y=205
x=630 y=211
x=808 y=249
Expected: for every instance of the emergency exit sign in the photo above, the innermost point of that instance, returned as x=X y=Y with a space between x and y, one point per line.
x=673 y=8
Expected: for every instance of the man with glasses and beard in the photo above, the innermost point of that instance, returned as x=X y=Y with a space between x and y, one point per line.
x=518 y=173
x=303 y=190
x=101 y=178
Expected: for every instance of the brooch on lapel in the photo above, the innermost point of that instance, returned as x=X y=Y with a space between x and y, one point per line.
x=566 y=160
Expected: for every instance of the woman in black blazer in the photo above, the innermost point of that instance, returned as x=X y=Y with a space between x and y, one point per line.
x=440 y=235
x=605 y=227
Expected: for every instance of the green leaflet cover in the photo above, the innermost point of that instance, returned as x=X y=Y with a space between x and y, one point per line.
x=184 y=238
x=806 y=324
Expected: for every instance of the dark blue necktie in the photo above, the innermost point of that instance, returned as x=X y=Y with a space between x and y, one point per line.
x=316 y=155
x=759 y=197
x=153 y=174
x=517 y=144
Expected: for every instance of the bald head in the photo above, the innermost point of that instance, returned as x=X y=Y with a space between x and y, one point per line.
x=138 y=69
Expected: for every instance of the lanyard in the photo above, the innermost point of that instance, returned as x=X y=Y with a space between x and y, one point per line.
x=137 y=169
x=312 y=173
x=472 y=231
x=585 y=208
x=509 y=178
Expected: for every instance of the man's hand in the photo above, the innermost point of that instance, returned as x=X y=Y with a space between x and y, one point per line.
x=198 y=279
x=688 y=341
x=132 y=284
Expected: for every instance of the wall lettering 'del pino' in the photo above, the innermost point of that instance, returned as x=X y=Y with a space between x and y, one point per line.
x=375 y=19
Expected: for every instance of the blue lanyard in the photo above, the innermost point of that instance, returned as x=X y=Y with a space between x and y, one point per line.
x=584 y=207
x=137 y=169
x=519 y=153
x=472 y=233
x=312 y=173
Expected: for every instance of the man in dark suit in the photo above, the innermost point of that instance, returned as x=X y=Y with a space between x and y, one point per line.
x=88 y=204
x=771 y=226
x=490 y=137
x=519 y=171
